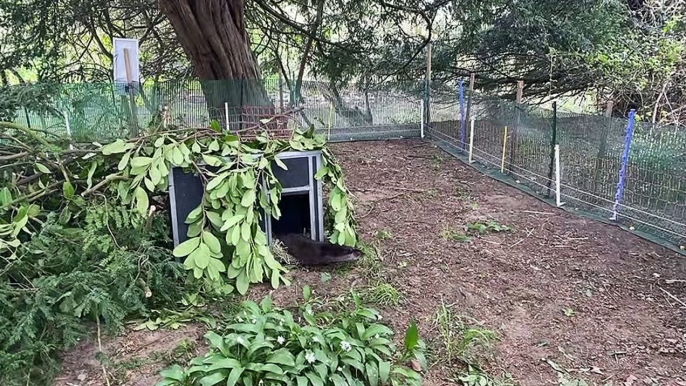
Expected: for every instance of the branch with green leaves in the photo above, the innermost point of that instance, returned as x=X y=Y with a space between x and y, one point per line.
x=225 y=239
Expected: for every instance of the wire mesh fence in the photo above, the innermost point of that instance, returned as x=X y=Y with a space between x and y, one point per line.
x=519 y=141
x=102 y=112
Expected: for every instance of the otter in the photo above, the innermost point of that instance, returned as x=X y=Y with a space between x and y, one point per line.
x=309 y=252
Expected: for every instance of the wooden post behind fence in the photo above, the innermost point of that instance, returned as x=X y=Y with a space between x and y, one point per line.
x=518 y=121
x=427 y=107
x=472 y=79
x=602 y=147
x=280 y=90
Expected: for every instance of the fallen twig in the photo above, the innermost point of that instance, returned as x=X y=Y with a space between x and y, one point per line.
x=370 y=210
x=26 y=130
x=13 y=156
x=672 y=296
x=104 y=371
x=107 y=180
x=405 y=189
x=535 y=212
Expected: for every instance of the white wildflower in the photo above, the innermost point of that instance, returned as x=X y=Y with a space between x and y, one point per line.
x=339 y=368
x=376 y=336
x=281 y=340
x=379 y=317
x=345 y=346
x=281 y=324
x=239 y=319
x=309 y=311
x=254 y=320
x=315 y=339
x=309 y=357
x=239 y=340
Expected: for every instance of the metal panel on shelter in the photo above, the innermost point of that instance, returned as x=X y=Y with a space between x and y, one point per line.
x=301 y=203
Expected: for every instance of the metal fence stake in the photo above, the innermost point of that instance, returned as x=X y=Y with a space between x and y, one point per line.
x=625 y=163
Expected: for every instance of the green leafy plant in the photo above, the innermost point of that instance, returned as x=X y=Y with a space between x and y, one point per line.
x=491 y=226
x=325 y=277
x=270 y=346
x=90 y=262
x=450 y=234
x=476 y=376
x=340 y=210
x=239 y=186
x=383 y=235
x=239 y=183
x=84 y=236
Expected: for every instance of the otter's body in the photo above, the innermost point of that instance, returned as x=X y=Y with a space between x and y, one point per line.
x=309 y=252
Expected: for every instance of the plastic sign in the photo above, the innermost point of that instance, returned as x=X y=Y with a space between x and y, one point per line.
x=126 y=65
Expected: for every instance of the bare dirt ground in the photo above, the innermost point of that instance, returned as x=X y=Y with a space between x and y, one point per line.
x=557 y=288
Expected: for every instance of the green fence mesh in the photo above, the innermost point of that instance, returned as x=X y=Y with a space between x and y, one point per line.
x=654 y=200
x=106 y=111
x=591 y=146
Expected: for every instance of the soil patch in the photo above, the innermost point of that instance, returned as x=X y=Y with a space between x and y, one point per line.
x=557 y=288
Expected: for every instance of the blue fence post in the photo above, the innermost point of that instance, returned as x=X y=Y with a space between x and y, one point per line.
x=625 y=164
x=463 y=123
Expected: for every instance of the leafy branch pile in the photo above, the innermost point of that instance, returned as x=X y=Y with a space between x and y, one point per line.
x=84 y=231
x=270 y=346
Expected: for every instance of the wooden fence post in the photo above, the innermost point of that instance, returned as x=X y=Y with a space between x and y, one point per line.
x=518 y=121
x=602 y=147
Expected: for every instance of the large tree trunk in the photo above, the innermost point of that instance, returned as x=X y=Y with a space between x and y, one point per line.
x=213 y=34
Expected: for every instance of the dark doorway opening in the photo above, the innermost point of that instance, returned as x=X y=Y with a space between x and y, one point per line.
x=295 y=215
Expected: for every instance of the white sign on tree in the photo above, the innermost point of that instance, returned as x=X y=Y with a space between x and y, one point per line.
x=126 y=65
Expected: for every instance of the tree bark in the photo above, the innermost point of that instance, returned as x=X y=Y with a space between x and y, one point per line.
x=213 y=35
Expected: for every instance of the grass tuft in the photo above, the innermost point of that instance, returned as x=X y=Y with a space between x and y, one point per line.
x=383 y=294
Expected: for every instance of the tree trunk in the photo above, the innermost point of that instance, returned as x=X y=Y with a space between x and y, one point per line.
x=306 y=52
x=354 y=115
x=213 y=35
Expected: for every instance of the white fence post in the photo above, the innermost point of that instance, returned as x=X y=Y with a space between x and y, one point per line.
x=226 y=114
x=471 y=141
x=558 y=182
x=68 y=125
x=421 y=126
